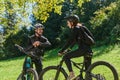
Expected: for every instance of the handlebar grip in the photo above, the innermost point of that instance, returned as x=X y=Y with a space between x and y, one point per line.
x=16 y=45
x=19 y=47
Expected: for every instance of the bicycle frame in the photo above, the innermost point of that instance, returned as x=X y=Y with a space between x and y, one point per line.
x=77 y=65
x=89 y=75
x=59 y=67
x=28 y=72
x=27 y=63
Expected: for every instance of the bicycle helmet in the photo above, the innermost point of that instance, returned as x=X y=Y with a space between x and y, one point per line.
x=38 y=25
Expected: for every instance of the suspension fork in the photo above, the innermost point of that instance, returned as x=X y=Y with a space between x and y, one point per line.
x=58 y=69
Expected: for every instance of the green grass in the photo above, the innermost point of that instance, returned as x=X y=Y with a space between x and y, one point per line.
x=11 y=68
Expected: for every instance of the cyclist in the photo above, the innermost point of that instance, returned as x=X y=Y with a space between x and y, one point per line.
x=36 y=44
x=76 y=36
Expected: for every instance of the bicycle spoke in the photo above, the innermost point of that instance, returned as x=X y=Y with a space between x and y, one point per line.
x=50 y=75
x=102 y=73
x=30 y=76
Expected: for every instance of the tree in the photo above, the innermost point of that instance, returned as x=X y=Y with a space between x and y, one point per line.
x=1 y=44
x=106 y=23
x=8 y=19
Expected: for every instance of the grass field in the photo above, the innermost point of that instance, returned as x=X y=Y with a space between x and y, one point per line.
x=11 y=68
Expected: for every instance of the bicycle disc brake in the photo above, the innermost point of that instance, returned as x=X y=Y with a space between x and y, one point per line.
x=100 y=77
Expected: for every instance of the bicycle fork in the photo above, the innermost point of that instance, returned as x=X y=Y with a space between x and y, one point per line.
x=58 y=70
x=81 y=73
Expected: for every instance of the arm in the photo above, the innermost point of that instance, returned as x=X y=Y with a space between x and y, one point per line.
x=30 y=44
x=72 y=45
x=45 y=42
x=70 y=41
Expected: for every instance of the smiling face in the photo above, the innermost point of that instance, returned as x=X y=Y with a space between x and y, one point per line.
x=38 y=31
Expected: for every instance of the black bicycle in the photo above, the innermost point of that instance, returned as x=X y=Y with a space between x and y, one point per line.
x=100 y=70
x=28 y=73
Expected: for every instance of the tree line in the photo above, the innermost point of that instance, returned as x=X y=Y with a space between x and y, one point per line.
x=17 y=19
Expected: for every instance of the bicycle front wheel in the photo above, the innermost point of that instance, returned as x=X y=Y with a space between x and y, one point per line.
x=50 y=72
x=101 y=70
x=30 y=74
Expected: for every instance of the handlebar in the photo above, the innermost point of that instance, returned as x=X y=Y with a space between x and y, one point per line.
x=64 y=52
x=20 y=48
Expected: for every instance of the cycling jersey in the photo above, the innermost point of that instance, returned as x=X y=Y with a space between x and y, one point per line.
x=38 y=51
x=77 y=36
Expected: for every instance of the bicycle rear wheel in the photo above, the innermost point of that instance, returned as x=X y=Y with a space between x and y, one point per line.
x=30 y=74
x=101 y=70
x=49 y=73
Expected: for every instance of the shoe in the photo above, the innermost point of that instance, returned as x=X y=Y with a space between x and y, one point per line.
x=76 y=78
x=71 y=77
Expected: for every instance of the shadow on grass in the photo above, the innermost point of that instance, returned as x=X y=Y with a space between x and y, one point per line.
x=102 y=50
x=52 y=54
x=98 y=51
x=12 y=59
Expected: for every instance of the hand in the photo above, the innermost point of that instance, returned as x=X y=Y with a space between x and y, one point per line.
x=79 y=24
x=60 y=54
x=36 y=43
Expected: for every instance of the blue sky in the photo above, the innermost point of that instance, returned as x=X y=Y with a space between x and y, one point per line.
x=26 y=20
x=1 y=30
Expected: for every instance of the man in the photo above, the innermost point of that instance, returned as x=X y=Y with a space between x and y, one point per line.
x=36 y=44
x=76 y=36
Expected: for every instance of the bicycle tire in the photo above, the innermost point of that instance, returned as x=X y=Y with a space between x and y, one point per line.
x=103 y=63
x=31 y=70
x=47 y=69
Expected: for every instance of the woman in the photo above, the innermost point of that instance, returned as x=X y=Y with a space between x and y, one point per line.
x=76 y=36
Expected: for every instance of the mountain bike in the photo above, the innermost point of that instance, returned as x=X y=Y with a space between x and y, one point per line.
x=100 y=70
x=28 y=73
